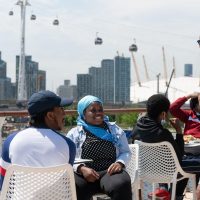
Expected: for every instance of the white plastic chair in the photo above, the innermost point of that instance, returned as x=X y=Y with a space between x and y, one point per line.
x=132 y=169
x=33 y=183
x=158 y=163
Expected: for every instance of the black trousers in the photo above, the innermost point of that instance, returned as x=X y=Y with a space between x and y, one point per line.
x=116 y=186
x=190 y=164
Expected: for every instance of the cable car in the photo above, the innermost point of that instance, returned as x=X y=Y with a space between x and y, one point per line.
x=198 y=41
x=133 y=47
x=98 y=40
x=55 y=22
x=33 y=17
x=11 y=12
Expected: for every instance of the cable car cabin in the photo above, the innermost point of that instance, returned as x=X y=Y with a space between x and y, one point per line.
x=98 y=41
x=133 y=47
x=11 y=12
x=33 y=17
x=56 y=22
x=198 y=41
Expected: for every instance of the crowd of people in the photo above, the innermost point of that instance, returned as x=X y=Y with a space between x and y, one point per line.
x=103 y=142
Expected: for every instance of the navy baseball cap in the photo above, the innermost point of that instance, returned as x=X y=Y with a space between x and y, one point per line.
x=46 y=100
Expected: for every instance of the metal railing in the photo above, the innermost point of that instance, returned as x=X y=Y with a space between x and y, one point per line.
x=74 y=112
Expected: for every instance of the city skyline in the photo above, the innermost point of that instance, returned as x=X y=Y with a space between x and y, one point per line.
x=68 y=49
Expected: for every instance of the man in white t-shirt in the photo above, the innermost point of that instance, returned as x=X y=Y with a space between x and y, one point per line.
x=40 y=145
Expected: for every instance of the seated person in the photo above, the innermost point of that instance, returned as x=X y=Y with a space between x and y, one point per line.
x=106 y=144
x=41 y=144
x=191 y=118
x=150 y=129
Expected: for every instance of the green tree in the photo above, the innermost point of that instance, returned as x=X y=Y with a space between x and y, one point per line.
x=126 y=120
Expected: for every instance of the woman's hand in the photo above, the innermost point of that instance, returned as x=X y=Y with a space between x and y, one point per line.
x=89 y=174
x=115 y=167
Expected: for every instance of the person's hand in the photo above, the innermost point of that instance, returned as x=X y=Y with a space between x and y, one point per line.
x=193 y=95
x=114 y=168
x=89 y=174
x=176 y=125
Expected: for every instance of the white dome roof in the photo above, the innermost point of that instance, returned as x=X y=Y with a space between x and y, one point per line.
x=179 y=87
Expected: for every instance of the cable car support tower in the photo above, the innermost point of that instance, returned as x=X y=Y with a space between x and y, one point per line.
x=22 y=92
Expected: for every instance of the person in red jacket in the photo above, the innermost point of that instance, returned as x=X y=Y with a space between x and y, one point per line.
x=191 y=118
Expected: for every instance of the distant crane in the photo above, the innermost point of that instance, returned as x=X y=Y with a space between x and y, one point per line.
x=133 y=48
x=158 y=82
x=199 y=80
x=166 y=93
x=165 y=66
x=145 y=68
x=198 y=41
x=174 y=67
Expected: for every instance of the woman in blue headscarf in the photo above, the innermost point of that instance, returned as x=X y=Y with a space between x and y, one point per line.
x=106 y=144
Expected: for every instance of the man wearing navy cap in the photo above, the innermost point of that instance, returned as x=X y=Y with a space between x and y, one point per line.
x=40 y=145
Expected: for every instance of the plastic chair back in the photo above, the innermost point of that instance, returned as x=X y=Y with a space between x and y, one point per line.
x=31 y=183
x=157 y=162
x=132 y=167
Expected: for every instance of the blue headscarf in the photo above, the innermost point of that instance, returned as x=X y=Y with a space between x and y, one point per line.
x=96 y=130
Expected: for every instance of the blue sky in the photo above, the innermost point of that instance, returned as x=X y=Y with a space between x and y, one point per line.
x=68 y=49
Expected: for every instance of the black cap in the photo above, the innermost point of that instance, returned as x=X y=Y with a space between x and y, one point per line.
x=156 y=104
x=45 y=100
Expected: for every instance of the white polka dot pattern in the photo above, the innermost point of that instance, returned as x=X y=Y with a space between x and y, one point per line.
x=102 y=152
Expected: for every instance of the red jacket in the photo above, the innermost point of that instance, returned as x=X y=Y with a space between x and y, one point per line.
x=189 y=117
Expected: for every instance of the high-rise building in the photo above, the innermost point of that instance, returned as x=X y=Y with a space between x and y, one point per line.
x=35 y=79
x=74 y=92
x=96 y=76
x=6 y=89
x=67 y=90
x=3 y=68
x=107 y=80
x=122 y=79
x=188 y=70
x=84 y=85
x=41 y=80
x=110 y=82
x=67 y=82
x=6 y=86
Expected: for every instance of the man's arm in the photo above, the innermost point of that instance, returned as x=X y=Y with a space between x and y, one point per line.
x=176 y=111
